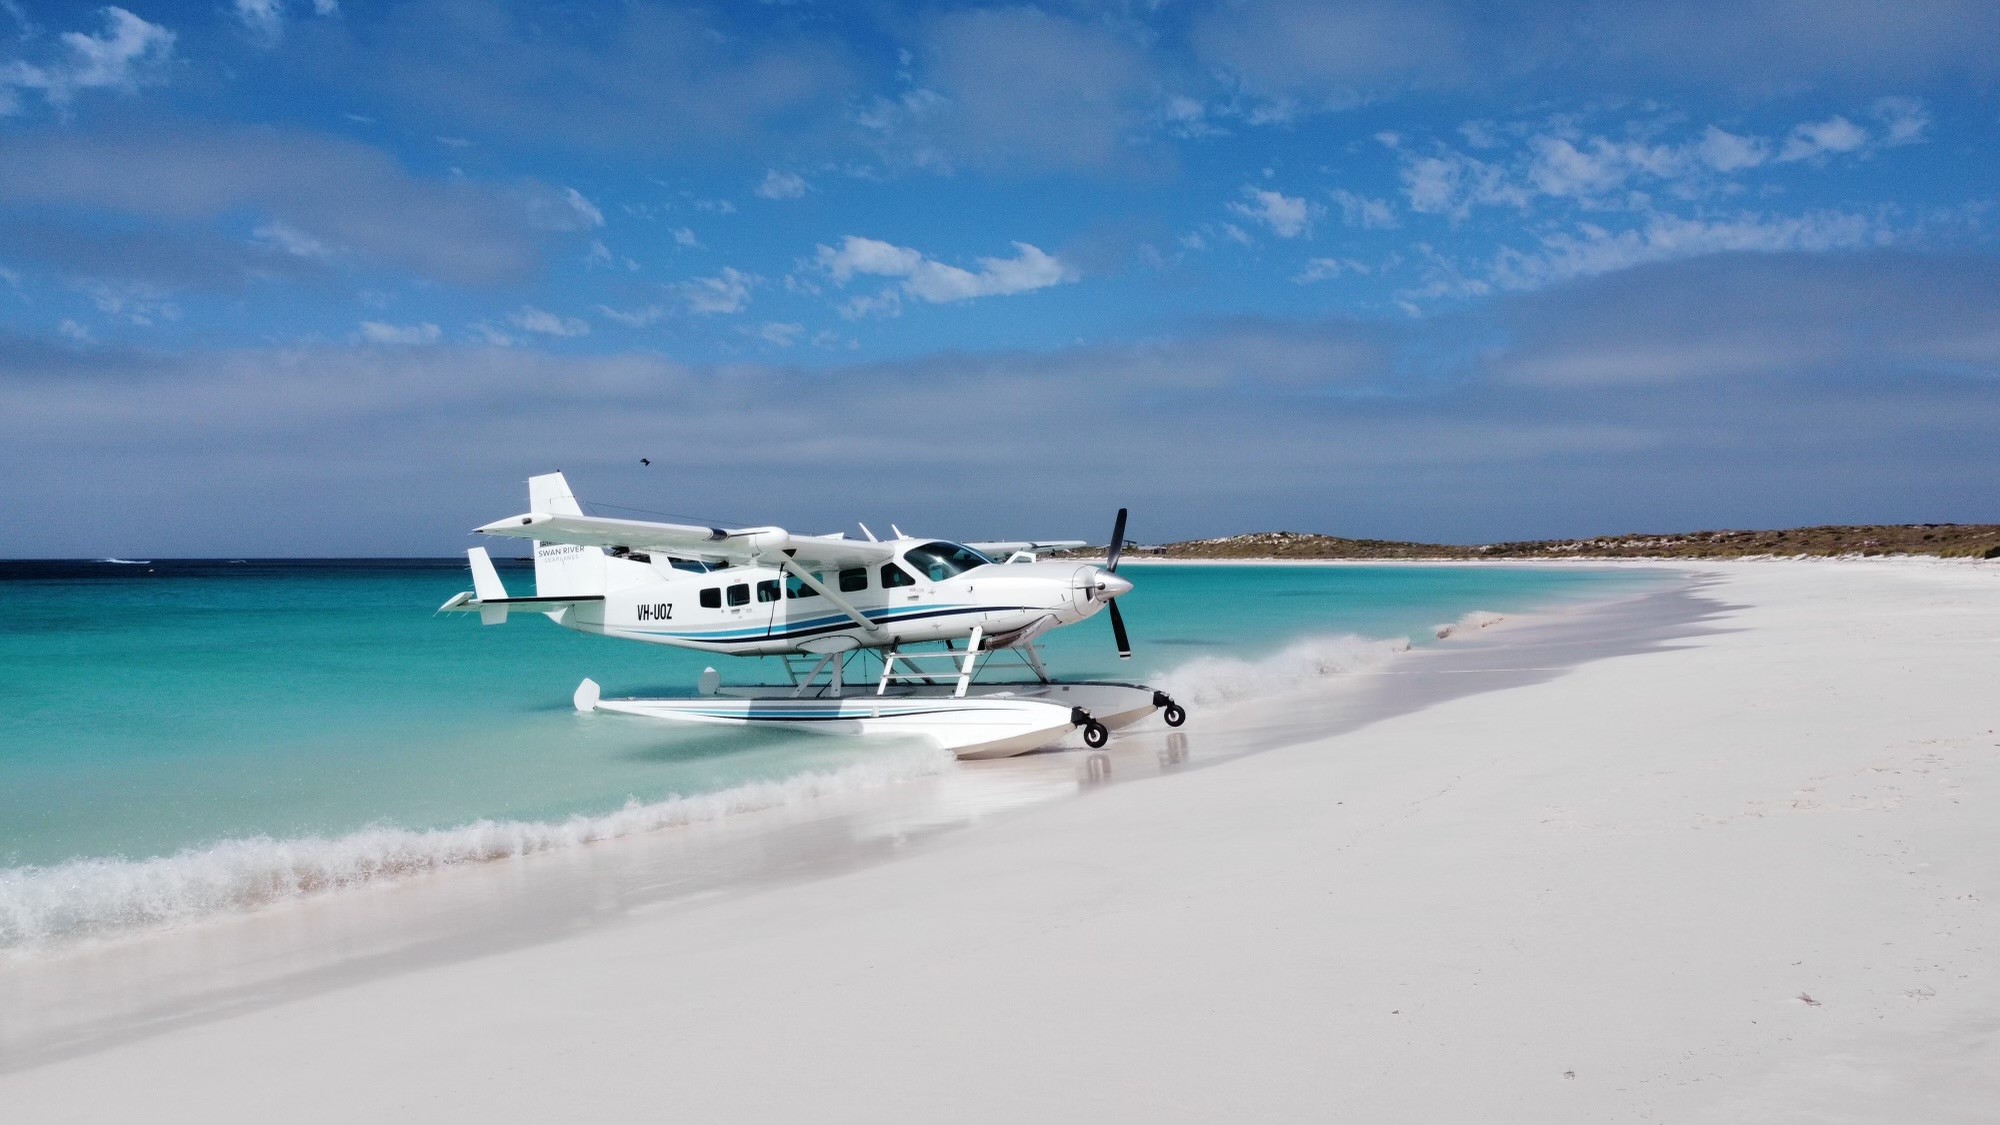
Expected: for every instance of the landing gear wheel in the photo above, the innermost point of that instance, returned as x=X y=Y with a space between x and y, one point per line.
x=1095 y=734
x=1174 y=715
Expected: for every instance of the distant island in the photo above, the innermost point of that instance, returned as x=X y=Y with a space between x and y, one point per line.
x=1945 y=540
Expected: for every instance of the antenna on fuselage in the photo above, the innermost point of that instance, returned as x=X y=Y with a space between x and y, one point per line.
x=868 y=533
x=897 y=531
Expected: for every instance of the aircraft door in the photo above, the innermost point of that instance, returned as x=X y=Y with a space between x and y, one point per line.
x=770 y=598
x=736 y=607
x=898 y=584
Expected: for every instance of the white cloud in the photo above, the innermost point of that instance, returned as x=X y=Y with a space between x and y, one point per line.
x=135 y=302
x=376 y=332
x=1364 y=212
x=74 y=331
x=867 y=256
x=1287 y=216
x=1478 y=134
x=127 y=54
x=1817 y=139
x=634 y=318
x=264 y=18
x=1726 y=152
x=1904 y=120
x=1187 y=117
x=584 y=208
x=1560 y=168
x=599 y=255
x=531 y=319
x=1430 y=183
x=725 y=293
x=684 y=236
x=1591 y=249
x=487 y=334
x=888 y=302
x=1453 y=183
x=929 y=280
x=1326 y=269
x=290 y=240
x=782 y=185
x=1610 y=173
x=781 y=335
x=1029 y=269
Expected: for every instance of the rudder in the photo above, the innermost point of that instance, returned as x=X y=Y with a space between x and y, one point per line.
x=561 y=569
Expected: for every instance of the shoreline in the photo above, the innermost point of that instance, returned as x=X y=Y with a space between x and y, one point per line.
x=1735 y=863
x=190 y=971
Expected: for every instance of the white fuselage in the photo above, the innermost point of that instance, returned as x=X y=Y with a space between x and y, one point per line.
x=755 y=610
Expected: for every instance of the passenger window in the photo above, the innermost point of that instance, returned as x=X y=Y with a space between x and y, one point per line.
x=794 y=588
x=894 y=576
x=739 y=594
x=767 y=590
x=854 y=579
x=711 y=598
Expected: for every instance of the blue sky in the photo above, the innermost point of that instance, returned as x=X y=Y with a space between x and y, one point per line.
x=307 y=276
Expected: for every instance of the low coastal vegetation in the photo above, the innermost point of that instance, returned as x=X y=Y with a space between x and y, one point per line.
x=1947 y=540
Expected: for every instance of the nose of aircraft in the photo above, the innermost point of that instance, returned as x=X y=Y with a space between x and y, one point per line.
x=1110 y=585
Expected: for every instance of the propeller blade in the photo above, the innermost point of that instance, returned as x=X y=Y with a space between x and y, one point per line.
x=1117 y=543
x=1118 y=632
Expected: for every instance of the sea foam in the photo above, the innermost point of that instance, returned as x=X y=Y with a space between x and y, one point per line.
x=100 y=896
x=1477 y=619
x=1219 y=680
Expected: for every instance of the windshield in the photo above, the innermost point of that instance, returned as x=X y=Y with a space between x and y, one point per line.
x=939 y=561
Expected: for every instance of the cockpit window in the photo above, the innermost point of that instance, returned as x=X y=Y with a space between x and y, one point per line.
x=940 y=561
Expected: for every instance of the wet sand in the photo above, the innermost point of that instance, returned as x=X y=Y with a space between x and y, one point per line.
x=1589 y=845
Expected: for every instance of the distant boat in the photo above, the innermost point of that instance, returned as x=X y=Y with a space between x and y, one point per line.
x=129 y=562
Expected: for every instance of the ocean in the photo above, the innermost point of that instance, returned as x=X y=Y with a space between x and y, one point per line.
x=184 y=736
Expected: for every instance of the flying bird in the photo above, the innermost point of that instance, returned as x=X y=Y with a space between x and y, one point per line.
x=645 y=460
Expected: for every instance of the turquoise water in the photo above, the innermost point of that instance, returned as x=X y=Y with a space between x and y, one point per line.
x=147 y=710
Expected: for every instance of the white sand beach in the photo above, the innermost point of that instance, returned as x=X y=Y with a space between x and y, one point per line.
x=1739 y=863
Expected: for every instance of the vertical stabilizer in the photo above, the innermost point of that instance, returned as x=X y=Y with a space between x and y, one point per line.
x=550 y=493
x=562 y=570
x=487 y=587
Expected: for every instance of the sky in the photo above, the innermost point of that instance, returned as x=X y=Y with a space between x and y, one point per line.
x=334 y=277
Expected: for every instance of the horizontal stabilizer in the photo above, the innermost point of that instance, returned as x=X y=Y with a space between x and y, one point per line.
x=466 y=603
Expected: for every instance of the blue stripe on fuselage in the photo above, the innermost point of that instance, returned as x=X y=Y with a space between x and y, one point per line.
x=831 y=624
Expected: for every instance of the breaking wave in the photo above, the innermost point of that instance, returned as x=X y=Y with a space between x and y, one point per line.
x=92 y=897
x=1219 y=680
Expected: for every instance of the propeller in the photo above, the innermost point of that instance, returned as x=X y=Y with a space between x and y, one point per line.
x=1111 y=566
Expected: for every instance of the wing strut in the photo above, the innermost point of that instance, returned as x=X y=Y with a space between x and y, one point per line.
x=792 y=568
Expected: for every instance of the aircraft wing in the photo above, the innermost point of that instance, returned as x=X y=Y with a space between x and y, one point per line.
x=715 y=544
x=1001 y=549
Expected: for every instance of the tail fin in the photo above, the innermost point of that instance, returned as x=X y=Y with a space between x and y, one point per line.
x=562 y=570
x=486 y=585
x=550 y=493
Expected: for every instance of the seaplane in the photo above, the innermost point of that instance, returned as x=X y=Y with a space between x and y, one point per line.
x=919 y=620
